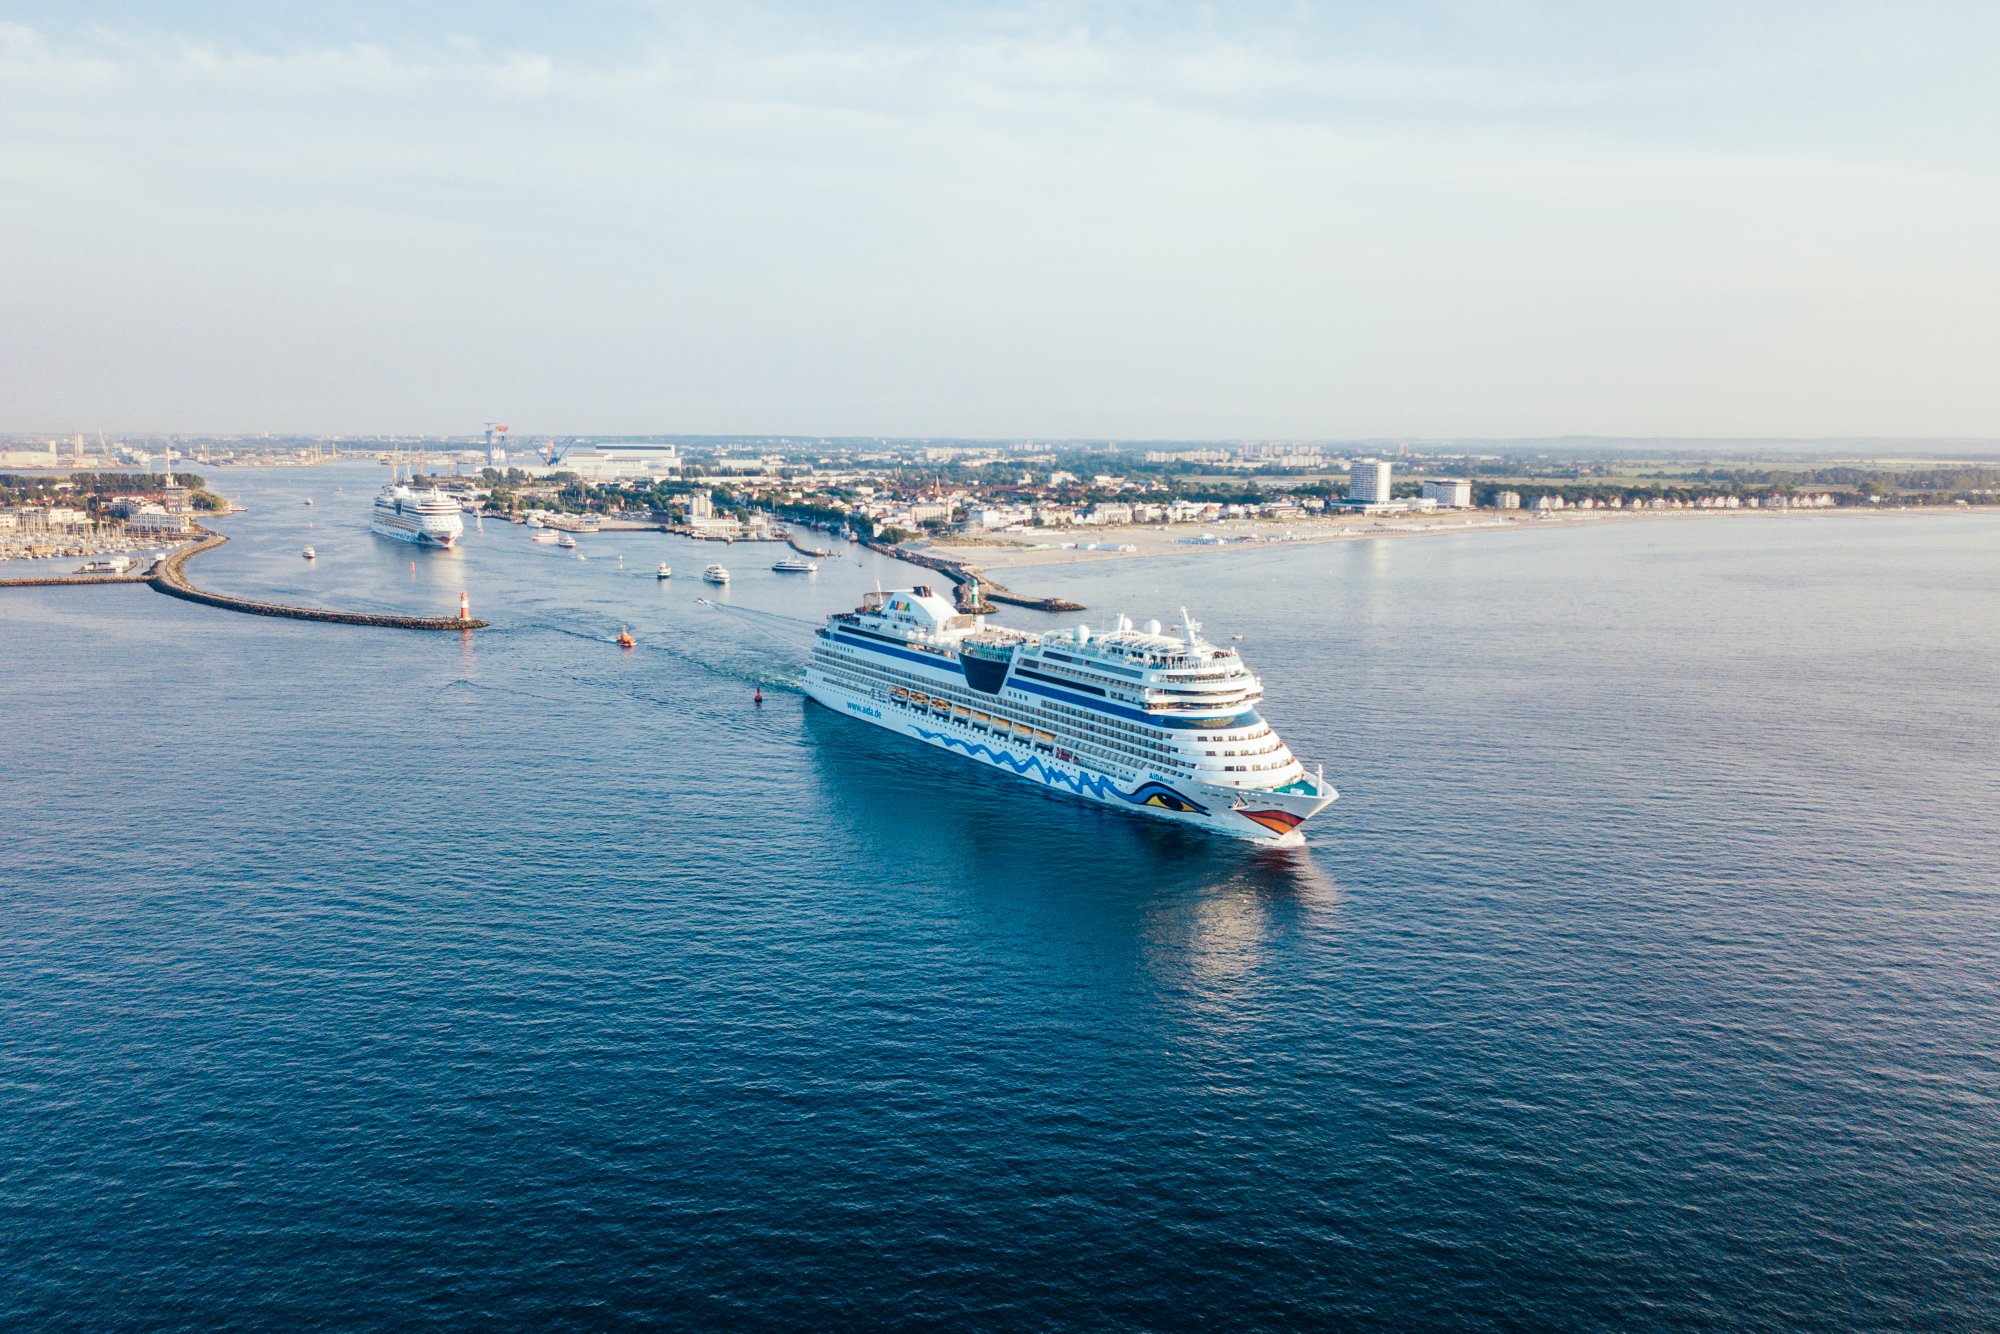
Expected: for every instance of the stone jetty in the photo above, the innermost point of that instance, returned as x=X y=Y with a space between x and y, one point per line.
x=960 y=573
x=169 y=576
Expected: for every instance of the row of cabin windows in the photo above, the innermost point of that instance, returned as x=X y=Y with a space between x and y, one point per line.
x=1093 y=731
x=1089 y=731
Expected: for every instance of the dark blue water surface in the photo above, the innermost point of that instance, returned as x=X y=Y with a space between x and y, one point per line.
x=1646 y=974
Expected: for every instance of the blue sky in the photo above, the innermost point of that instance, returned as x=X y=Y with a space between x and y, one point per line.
x=1308 y=221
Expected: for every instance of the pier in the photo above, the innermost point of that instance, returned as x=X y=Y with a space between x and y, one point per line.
x=792 y=541
x=960 y=573
x=65 y=580
x=168 y=575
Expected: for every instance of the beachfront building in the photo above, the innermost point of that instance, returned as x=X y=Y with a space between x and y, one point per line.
x=1507 y=500
x=1368 y=482
x=1450 y=494
x=1002 y=516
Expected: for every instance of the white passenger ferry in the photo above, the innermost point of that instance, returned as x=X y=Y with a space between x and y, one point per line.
x=427 y=518
x=1159 y=722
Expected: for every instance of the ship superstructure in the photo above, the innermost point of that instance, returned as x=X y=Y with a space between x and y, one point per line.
x=1148 y=719
x=427 y=518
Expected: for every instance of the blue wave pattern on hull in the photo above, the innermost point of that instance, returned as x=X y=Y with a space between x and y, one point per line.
x=1150 y=793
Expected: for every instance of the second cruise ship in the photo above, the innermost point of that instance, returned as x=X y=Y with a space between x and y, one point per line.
x=427 y=518
x=1150 y=720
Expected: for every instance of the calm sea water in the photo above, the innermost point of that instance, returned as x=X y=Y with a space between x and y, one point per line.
x=1645 y=975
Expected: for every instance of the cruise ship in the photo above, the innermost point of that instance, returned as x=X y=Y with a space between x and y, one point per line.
x=427 y=518
x=1155 y=721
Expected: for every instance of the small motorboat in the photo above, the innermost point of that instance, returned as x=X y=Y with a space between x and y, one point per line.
x=665 y=571
x=625 y=639
x=310 y=554
x=795 y=565
x=309 y=500
x=715 y=574
x=565 y=541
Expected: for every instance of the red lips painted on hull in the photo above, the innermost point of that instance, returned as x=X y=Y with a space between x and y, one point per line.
x=1278 y=822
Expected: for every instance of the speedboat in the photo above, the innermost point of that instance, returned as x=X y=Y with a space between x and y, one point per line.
x=715 y=574
x=665 y=571
x=794 y=565
x=310 y=554
x=565 y=541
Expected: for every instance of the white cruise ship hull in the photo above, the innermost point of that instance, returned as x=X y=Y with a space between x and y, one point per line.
x=442 y=540
x=1271 y=818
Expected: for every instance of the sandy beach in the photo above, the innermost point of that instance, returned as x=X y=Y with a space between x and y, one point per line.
x=1012 y=551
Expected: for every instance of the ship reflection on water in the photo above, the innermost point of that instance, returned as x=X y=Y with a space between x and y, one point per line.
x=956 y=828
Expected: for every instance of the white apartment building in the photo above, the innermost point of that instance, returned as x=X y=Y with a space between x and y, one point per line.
x=152 y=521
x=1368 y=482
x=1450 y=494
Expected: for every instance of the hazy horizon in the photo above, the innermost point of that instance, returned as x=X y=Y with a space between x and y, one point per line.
x=1441 y=221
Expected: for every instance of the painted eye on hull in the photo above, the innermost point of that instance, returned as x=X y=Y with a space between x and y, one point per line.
x=1164 y=797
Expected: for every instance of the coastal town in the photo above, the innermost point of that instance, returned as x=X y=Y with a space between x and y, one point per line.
x=1012 y=503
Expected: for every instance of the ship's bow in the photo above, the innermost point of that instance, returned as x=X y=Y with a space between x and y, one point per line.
x=1277 y=816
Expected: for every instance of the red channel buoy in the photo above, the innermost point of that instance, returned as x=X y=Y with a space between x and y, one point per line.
x=758 y=698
